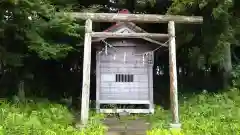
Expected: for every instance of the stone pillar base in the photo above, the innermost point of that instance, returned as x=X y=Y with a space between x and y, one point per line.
x=175 y=126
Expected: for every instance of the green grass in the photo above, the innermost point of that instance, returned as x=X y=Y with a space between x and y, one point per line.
x=204 y=114
x=43 y=118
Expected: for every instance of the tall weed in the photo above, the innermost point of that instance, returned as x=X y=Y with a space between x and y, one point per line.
x=204 y=114
x=41 y=118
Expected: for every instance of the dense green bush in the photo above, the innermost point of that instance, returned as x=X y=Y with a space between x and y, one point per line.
x=42 y=118
x=204 y=114
x=236 y=76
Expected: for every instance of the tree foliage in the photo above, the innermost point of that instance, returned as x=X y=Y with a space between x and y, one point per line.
x=38 y=27
x=37 y=33
x=218 y=30
x=33 y=31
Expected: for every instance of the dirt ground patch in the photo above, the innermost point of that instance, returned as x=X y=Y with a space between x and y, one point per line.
x=126 y=127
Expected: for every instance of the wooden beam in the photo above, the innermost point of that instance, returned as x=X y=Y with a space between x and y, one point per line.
x=127 y=110
x=128 y=35
x=173 y=73
x=86 y=73
x=140 y=18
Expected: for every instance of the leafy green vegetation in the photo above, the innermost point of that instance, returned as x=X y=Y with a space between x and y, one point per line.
x=204 y=114
x=42 y=118
x=236 y=76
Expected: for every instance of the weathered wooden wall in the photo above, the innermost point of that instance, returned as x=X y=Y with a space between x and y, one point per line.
x=131 y=64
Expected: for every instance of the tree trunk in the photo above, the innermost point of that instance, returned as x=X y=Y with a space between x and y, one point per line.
x=21 y=92
x=227 y=67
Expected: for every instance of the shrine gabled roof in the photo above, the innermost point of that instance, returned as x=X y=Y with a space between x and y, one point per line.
x=126 y=26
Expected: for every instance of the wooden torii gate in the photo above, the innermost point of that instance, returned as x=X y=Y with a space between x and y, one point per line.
x=140 y=18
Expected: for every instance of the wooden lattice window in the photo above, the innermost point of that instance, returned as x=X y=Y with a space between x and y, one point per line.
x=124 y=78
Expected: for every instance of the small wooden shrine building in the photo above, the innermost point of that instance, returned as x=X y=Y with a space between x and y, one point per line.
x=124 y=69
